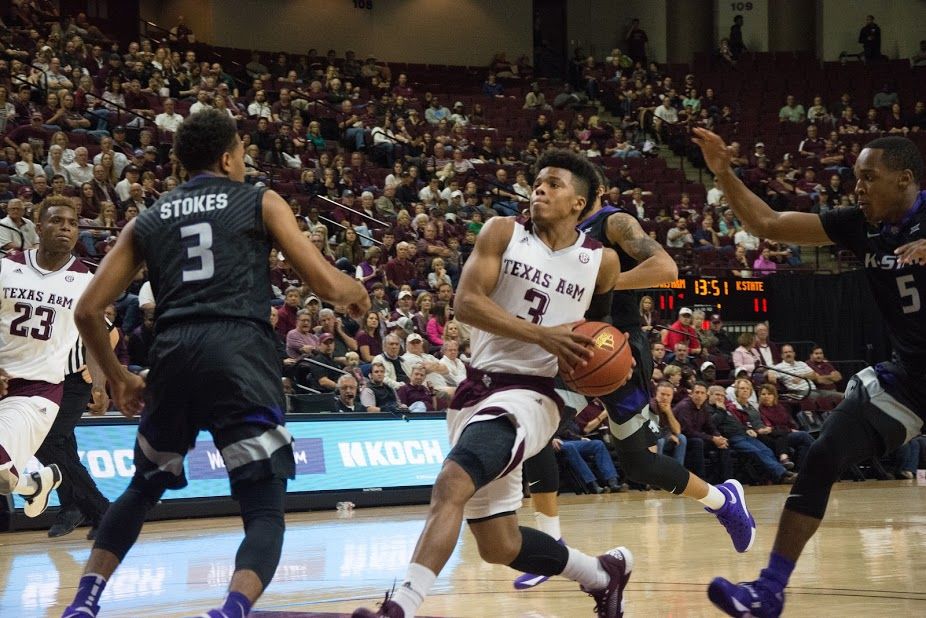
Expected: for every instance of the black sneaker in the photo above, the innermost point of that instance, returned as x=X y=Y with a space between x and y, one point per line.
x=65 y=523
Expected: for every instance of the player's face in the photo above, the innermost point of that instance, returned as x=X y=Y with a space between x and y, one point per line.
x=234 y=163
x=880 y=191
x=378 y=374
x=767 y=398
x=743 y=390
x=58 y=232
x=554 y=196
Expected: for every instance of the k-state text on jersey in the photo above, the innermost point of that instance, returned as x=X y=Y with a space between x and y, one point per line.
x=193 y=205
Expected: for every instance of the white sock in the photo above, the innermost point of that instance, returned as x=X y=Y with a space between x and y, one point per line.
x=715 y=499
x=586 y=570
x=26 y=485
x=549 y=525
x=410 y=595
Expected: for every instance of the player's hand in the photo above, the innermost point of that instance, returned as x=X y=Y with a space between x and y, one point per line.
x=673 y=438
x=912 y=252
x=358 y=310
x=128 y=392
x=4 y=382
x=570 y=348
x=557 y=444
x=100 y=402
x=716 y=153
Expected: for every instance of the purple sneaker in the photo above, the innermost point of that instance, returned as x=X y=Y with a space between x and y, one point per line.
x=609 y=601
x=746 y=599
x=735 y=517
x=529 y=580
x=388 y=608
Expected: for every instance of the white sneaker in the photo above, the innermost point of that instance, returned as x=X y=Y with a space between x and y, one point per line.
x=48 y=479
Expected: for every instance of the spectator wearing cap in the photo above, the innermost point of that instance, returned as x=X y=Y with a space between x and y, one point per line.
x=435 y=112
x=121 y=143
x=329 y=323
x=759 y=153
x=27 y=238
x=27 y=132
x=132 y=176
x=708 y=373
x=418 y=394
x=405 y=306
x=686 y=332
x=458 y=115
x=322 y=372
x=725 y=341
x=415 y=355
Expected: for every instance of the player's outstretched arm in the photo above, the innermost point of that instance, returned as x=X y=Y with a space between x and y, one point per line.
x=654 y=265
x=114 y=275
x=326 y=281
x=474 y=306
x=758 y=218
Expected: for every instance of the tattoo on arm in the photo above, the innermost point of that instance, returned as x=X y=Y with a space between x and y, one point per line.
x=626 y=232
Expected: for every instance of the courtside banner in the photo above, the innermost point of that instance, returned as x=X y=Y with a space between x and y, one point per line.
x=341 y=454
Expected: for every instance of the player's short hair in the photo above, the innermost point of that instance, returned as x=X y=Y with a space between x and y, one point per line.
x=55 y=201
x=898 y=154
x=665 y=384
x=203 y=138
x=584 y=178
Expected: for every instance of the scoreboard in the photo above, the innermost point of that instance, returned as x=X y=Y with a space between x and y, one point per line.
x=738 y=300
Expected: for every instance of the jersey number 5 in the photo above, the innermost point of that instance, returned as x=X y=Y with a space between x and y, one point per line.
x=200 y=261
x=909 y=295
x=45 y=315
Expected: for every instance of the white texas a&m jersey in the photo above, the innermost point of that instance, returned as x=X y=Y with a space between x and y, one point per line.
x=37 y=329
x=541 y=285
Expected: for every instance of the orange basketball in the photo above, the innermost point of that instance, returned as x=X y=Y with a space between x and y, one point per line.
x=610 y=364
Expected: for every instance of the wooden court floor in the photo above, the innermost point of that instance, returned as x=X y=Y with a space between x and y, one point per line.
x=869 y=559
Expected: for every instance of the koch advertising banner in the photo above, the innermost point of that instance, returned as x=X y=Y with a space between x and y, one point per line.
x=330 y=455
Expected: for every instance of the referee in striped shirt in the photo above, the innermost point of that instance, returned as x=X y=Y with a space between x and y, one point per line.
x=81 y=500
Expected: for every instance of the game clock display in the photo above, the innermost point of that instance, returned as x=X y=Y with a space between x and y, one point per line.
x=737 y=300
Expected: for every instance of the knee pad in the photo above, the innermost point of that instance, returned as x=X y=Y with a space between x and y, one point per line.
x=262 y=511
x=484 y=449
x=645 y=466
x=541 y=472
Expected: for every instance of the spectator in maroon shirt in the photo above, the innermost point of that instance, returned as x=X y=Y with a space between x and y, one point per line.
x=286 y=315
x=417 y=395
x=400 y=270
x=785 y=432
x=694 y=415
x=402 y=88
x=369 y=343
x=27 y=132
x=827 y=375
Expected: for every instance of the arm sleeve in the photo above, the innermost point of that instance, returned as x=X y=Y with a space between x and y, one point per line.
x=367 y=398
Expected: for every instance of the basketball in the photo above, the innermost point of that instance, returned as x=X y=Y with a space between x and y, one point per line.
x=610 y=364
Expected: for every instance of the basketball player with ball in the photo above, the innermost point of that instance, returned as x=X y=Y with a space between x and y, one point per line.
x=522 y=290
x=634 y=427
